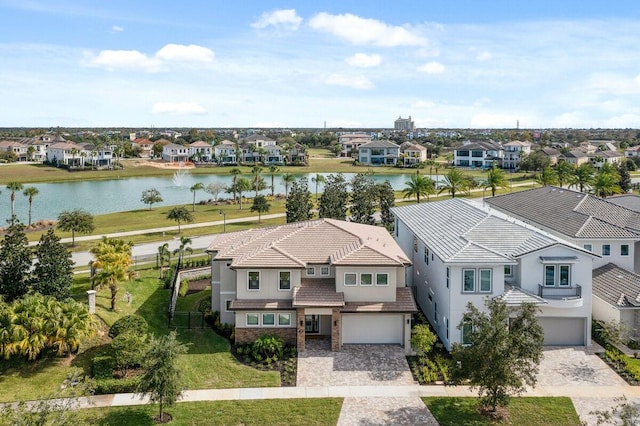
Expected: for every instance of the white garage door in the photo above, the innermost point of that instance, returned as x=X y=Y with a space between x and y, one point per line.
x=562 y=331
x=371 y=328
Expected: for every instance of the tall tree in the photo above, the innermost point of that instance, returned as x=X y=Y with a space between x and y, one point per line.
x=625 y=178
x=318 y=179
x=151 y=196
x=30 y=192
x=239 y=187
x=502 y=352
x=333 y=201
x=235 y=172
x=547 y=176
x=583 y=177
x=273 y=169
x=53 y=271
x=14 y=187
x=162 y=380
x=260 y=205
x=15 y=261
x=299 y=205
x=496 y=178
x=164 y=257
x=184 y=247
x=363 y=199
x=73 y=221
x=417 y=186
x=454 y=182
x=112 y=261
x=386 y=200
x=565 y=172
x=257 y=182
x=606 y=182
x=180 y=214
x=198 y=186
x=287 y=180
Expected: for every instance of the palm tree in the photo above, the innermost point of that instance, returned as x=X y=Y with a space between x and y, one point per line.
x=234 y=172
x=195 y=188
x=74 y=152
x=564 y=171
x=606 y=183
x=287 y=179
x=184 y=247
x=418 y=186
x=495 y=179
x=547 y=177
x=241 y=186
x=317 y=179
x=13 y=187
x=164 y=257
x=30 y=192
x=180 y=214
x=112 y=260
x=256 y=181
x=273 y=169
x=73 y=326
x=454 y=182
x=583 y=177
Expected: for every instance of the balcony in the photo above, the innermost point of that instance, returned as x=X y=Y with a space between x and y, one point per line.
x=561 y=297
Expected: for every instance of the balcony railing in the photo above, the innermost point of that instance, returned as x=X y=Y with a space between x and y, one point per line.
x=560 y=293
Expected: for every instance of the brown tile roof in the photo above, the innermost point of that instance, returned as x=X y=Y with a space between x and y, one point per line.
x=404 y=303
x=260 y=304
x=321 y=292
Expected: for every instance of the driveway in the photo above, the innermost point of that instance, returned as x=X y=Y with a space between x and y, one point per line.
x=577 y=367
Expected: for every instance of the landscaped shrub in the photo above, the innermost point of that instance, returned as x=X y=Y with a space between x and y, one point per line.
x=267 y=346
x=129 y=323
x=103 y=367
x=184 y=288
x=205 y=305
x=111 y=385
x=128 y=350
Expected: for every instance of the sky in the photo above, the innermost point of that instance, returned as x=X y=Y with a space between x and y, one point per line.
x=346 y=63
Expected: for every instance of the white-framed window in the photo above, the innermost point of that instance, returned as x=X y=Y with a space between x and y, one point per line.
x=324 y=270
x=426 y=255
x=564 y=275
x=549 y=275
x=366 y=278
x=467 y=329
x=606 y=249
x=284 y=280
x=624 y=249
x=382 y=279
x=447 y=277
x=485 y=280
x=253 y=320
x=284 y=319
x=588 y=247
x=415 y=244
x=508 y=270
x=227 y=305
x=253 y=280
x=350 y=278
x=311 y=271
x=468 y=280
x=268 y=319
x=557 y=275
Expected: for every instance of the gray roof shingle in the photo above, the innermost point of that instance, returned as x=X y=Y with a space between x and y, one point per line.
x=616 y=286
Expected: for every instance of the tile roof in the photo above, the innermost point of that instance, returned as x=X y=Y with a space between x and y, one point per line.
x=570 y=213
x=260 y=304
x=616 y=286
x=515 y=296
x=380 y=144
x=628 y=201
x=404 y=303
x=317 y=292
x=320 y=241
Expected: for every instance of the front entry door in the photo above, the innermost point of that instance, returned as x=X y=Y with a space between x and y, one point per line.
x=312 y=324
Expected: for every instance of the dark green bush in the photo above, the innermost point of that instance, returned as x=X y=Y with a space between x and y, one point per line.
x=267 y=346
x=129 y=323
x=111 y=385
x=128 y=350
x=102 y=367
x=204 y=305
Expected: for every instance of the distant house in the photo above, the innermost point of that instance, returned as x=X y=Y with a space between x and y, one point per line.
x=477 y=155
x=379 y=153
x=272 y=155
x=18 y=149
x=513 y=152
x=97 y=156
x=599 y=158
x=552 y=154
x=225 y=153
x=413 y=154
x=350 y=142
x=145 y=145
x=65 y=153
x=174 y=153
x=201 y=151
x=632 y=151
x=254 y=147
x=575 y=157
x=297 y=154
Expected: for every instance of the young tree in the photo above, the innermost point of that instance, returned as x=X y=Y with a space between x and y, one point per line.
x=260 y=205
x=417 y=186
x=215 y=189
x=164 y=257
x=235 y=172
x=625 y=177
x=363 y=199
x=318 y=179
x=162 y=380
x=195 y=188
x=386 y=200
x=151 y=196
x=583 y=177
x=241 y=185
x=495 y=179
x=454 y=182
x=565 y=172
x=333 y=201
x=299 y=205
x=273 y=169
x=14 y=187
x=53 y=272
x=287 y=180
x=30 y=192
x=112 y=261
x=15 y=262
x=503 y=351
x=76 y=220
x=605 y=182
x=180 y=214
x=183 y=248
x=547 y=177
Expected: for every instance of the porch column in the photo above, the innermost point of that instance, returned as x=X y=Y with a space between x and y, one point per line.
x=335 y=329
x=300 y=326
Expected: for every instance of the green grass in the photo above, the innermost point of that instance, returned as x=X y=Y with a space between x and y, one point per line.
x=522 y=412
x=320 y=411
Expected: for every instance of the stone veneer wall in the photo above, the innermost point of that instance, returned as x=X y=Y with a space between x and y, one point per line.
x=248 y=335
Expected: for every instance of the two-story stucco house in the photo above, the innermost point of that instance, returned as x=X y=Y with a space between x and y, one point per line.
x=413 y=154
x=463 y=253
x=513 y=152
x=201 y=151
x=174 y=153
x=379 y=153
x=225 y=152
x=478 y=154
x=323 y=278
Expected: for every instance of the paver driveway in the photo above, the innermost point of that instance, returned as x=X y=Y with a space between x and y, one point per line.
x=575 y=366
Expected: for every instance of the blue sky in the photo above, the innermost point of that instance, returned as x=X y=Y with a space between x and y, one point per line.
x=453 y=64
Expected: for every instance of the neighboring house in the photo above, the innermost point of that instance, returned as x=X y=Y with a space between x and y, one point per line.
x=599 y=158
x=379 y=153
x=98 y=157
x=66 y=153
x=477 y=155
x=598 y=225
x=588 y=147
x=272 y=155
x=18 y=149
x=225 y=152
x=297 y=154
x=201 y=151
x=413 y=154
x=463 y=253
x=350 y=142
x=632 y=151
x=552 y=154
x=145 y=145
x=575 y=157
x=325 y=278
x=174 y=153
x=38 y=151
x=616 y=297
x=513 y=152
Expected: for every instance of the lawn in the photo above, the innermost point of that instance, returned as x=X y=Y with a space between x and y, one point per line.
x=308 y=412
x=522 y=412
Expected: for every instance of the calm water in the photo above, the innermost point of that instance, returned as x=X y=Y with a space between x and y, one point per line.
x=98 y=197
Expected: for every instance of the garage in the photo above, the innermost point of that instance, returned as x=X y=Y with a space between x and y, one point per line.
x=563 y=331
x=372 y=328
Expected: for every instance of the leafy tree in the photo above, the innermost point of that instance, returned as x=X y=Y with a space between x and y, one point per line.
x=128 y=350
x=454 y=182
x=162 y=380
x=299 y=205
x=333 y=201
x=317 y=180
x=14 y=187
x=215 y=189
x=112 y=261
x=180 y=214
x=287 y=180
x=30 y=192
x=625 y=177
x=151 y=196
x=273 y=169
x=547 y=176
x=386 y=200
x=363 y=199
x=564 y=172
x=76 y=220
x=53 y=272
x=495 y=179
x=417 y=186
x=503 y=354
x=422 y=339
x=260 y=205
x=195 y=188
x=15 y=261
x=583 y=177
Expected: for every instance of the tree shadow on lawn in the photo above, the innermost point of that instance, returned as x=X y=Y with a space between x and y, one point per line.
x=137 y=416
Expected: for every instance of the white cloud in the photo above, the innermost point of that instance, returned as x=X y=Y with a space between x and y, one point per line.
x=178 y=108
x=423 y=104
x=432 y=68
x=483 y=56
x=355 y=82
x=362 y=60
x=135 y=60
x=284 y=18
x=116 y=28
x=180 y=52
x=363 y=31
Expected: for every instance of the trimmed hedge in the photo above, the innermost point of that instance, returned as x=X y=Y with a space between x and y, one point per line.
x=129 y=323
x=107 y=386
x=103 y=367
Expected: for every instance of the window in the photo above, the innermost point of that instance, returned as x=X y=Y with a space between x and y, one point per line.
x=564 y=275
x=227 y=305
x=415 y=244
x=606 y=249
x=549 y=275
x=324 y=270
x=382 y=279
x=426 y=255
x=557 y=275
x=366 y=279
x=446 y=325
x=624 y=249
x=468 y=280
x=508 y=270
x=476 y=154
x=254 y=280
x=268 y=319
x=285 y=280
x=485 y=280
x=284 y=319
x=252 y=319
x=467 y=329
x=311 y=272
x=350 y=279
x=463 y=153
x=447 y=277
x=588 y=247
